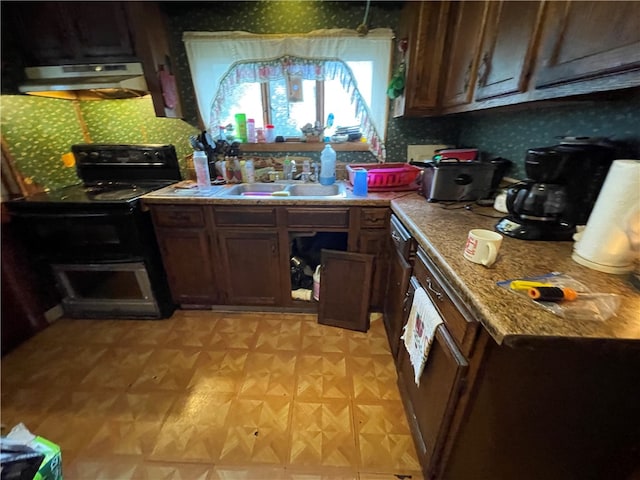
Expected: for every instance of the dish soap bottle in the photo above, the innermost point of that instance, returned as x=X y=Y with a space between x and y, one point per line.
x=328 y=166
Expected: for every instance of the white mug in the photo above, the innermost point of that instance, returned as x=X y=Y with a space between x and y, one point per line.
x=482 y=246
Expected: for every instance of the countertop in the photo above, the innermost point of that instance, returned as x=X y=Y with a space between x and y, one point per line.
x=508 y=317
x=442 y=231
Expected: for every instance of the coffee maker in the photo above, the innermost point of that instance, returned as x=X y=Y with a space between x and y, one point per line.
x=562 y=185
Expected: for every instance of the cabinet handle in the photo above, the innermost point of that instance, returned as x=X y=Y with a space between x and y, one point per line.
x=438 y=294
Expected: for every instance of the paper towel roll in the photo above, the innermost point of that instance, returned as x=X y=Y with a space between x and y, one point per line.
x=604 y=244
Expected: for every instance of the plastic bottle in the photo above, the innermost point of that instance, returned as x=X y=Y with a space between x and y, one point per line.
x=287 y=168
x=251 y=131
x=270 y=133
x=250 y=170
x=328 y=166
x=201 y=166
x=241 y=127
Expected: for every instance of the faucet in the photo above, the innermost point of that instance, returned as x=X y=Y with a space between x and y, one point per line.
x=306 y=176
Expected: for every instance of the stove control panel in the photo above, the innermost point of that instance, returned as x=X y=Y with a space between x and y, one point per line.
x=96 y=162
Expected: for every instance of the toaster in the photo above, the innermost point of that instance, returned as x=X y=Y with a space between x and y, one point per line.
x=456 y=181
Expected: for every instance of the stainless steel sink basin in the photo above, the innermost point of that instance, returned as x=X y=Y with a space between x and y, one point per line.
x=254 y=189
x=313 y=190
x=286 y=190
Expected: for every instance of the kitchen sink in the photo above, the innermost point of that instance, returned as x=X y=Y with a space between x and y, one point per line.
x=286 y=190
x=254 y=189
x=314 y=190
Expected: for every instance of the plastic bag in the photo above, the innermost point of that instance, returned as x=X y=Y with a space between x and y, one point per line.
x=587 y=306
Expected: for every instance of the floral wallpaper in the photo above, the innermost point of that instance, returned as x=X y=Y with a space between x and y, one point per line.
x=503 y=133
x=38 y=131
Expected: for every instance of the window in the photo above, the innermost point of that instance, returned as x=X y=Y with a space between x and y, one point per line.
x=289 y=103
x=292 y=80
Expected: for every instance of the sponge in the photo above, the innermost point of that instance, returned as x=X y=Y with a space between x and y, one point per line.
x=281 y=193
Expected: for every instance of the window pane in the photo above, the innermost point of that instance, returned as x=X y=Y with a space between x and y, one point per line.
x=289 y=117
x=245 y=98
x=338 y=101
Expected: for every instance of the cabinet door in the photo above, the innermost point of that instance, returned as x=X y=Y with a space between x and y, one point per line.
x=345 y=288
x=187 y=261
x=54 y=33
x=584 y=40
x=508 y=48
x=461 y=59
x=250 y=266
x=430 y=406
x=375 y=242
x=396 y=299
x=101 y=31
x=423 y=25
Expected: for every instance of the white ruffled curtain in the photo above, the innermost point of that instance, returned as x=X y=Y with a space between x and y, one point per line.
x=317 y=55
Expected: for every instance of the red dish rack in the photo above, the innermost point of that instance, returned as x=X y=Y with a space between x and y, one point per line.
x=387 y=176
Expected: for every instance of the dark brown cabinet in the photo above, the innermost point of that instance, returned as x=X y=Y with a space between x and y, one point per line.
x=423 y=26
x=185 y=246
x=66 y=33
x=250 y=267
x=586 y=40
x=508 y=48
x=464 y=38
x=57 y=33
x=371 y=232
x=430 y=405
x=396 y=300
x=503 y=53
x=344 y=290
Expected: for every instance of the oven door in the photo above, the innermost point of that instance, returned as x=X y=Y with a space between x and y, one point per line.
x=106 y=290
x=102 y=236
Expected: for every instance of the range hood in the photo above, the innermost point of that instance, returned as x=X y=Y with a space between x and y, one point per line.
x=96 y=81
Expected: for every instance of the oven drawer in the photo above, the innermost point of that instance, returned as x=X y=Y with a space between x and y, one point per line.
x=401 y=238
x=459 y=322
x=178 y=216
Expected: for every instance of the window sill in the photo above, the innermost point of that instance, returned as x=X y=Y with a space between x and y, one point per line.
x=303 y=147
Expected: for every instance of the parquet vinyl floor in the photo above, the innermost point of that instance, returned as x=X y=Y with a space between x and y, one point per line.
x=212 y=396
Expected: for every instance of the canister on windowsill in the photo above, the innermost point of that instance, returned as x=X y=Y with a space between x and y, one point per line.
x=270 y=134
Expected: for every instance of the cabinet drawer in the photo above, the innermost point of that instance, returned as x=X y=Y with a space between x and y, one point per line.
x=245 y=216
x=458 y=320
x=178 y=216
x=318 y=217
x=401 y=238
x=373 y=217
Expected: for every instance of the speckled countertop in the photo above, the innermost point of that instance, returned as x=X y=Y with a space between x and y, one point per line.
x=508 y=317
x=442 y=232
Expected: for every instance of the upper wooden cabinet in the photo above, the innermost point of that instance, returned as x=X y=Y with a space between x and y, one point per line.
x=69 y=33
x=55 y=33
x=498 y=53
x=508 y=48
x=585 y=40
x=423 y=26
x=465 y=29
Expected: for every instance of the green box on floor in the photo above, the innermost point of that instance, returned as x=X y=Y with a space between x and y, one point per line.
x=51 y=466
